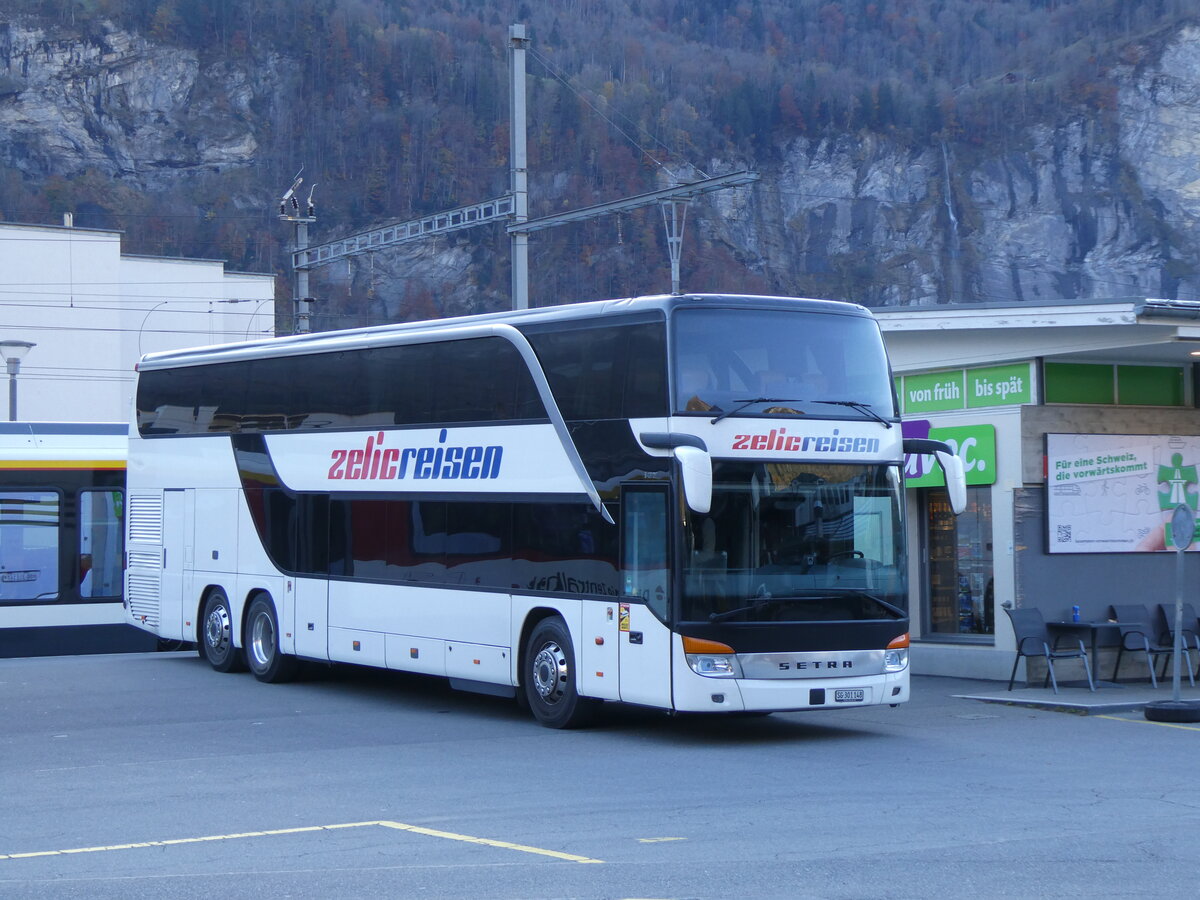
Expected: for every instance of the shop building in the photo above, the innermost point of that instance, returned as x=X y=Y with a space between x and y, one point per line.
x=1079 y=429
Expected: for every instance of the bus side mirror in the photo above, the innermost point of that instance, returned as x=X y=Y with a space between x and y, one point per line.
x=952 y=468
x=695 y=465
x=956 y=479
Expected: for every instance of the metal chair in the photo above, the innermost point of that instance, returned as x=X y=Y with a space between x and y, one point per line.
x=1033 y=639
x=1190 y=631
x=1138 y=636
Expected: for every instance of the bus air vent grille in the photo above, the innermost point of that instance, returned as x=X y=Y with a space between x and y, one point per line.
x=142 y=592
x=146 y=518
x=140 y=559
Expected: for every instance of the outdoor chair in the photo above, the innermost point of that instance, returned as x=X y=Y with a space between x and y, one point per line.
x=1138 y=636
x=1190 y=631
x=1033 y=639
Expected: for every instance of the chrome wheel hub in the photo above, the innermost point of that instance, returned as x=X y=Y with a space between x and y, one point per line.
x=550 y=672
x=217 y=629
x=262 y=641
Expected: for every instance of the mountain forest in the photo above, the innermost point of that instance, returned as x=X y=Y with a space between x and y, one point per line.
x=897 y=141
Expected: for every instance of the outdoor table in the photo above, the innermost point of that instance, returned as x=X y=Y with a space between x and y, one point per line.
x=1092 y=628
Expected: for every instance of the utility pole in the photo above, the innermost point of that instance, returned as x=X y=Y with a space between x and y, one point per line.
x=518 y=166
x=512 y=207
x=289 y=211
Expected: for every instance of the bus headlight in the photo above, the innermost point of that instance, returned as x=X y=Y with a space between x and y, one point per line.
x=713 y=666
x=711 y=659
x=895 y=657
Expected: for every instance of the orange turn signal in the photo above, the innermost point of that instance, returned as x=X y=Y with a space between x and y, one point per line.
x=698 y=645
x=898 y=643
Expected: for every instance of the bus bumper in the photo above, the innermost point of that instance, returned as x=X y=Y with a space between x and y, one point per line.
x=698 y=693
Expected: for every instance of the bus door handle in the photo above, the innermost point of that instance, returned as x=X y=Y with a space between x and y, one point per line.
x=635 y=637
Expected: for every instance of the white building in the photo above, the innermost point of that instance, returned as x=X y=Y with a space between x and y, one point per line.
x=92 y=312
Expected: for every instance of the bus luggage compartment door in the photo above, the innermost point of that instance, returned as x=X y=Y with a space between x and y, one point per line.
x=311 y=624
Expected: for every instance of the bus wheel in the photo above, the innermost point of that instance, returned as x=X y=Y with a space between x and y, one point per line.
x=216 y=638
x=548 y=678
x=266 y=660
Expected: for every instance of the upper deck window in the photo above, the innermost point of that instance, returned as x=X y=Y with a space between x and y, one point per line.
x=601 y=370
x=793 y=358
x=477 y=380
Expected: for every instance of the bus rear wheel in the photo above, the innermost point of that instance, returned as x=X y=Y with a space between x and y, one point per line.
x=216 y=634
x=267 y=662
x=548 y=677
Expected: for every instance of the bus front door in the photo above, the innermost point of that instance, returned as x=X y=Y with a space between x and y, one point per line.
x=645 y=642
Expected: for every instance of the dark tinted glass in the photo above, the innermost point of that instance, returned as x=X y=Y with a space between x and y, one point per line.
x=167 y=401
x=724 y=357
x=478 y=380
x=605 y=372
x=561 y=547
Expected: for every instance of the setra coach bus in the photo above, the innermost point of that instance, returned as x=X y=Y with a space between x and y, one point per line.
x=688 y=502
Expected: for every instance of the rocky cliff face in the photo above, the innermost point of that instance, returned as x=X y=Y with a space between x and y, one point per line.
x=1072 y=209
x=122 y=106
x=1080 y=209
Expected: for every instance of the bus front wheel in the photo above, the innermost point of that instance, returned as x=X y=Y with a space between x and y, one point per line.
x=267 y=662
x=548 y=677
x=216 y=634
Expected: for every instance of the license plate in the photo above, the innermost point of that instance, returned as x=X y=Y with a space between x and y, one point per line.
x=855 y=696
x=29 y=575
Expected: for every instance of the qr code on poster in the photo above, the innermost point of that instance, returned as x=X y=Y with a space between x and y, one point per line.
x=1064 y=534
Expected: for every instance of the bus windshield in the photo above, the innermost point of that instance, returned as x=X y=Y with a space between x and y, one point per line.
x=779 y=360
x=796 y=542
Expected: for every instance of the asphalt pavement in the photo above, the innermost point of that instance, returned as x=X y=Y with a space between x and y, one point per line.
x=151 y=776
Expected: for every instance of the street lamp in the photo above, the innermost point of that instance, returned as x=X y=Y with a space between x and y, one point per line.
x=13 y=352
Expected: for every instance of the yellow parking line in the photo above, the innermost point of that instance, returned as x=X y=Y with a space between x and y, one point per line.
x=400 y=826
x=1148 y=722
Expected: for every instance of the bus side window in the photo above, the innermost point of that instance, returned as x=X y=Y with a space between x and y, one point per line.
x=644 y=548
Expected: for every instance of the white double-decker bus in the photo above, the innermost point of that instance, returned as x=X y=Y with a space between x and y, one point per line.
x=687 y=502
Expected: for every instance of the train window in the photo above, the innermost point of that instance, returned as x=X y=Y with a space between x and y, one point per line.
x=29 y=558
x=101 y=539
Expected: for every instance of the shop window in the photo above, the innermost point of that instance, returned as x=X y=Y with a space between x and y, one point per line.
x=961 y=595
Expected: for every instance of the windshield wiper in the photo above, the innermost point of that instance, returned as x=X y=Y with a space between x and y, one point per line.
x=761 y=602
x=742 y=404
x=893 y=609
x=861 y=407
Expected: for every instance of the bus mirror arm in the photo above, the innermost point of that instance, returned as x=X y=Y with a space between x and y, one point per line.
x=695 y=465
x=952 y=467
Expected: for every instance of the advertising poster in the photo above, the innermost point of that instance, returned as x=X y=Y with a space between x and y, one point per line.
x=1115 y=493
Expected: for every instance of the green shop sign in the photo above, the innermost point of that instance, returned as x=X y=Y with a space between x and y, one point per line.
x=999 y=385
x=934 y=392
x=967 y=388
x=975 y=444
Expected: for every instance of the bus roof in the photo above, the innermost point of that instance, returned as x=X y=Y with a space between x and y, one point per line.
x=329 y=341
